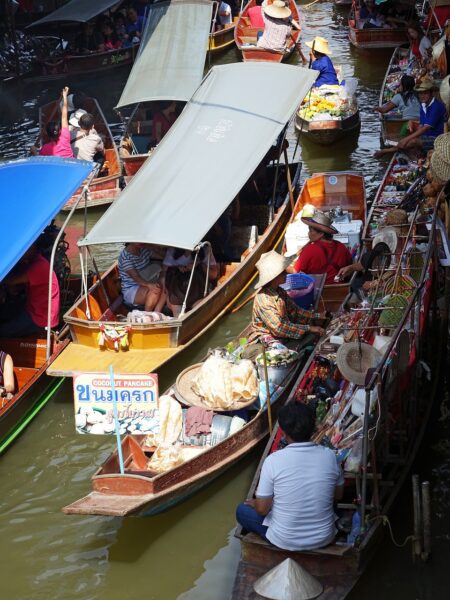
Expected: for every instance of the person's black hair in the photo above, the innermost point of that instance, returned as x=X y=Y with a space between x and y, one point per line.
x=318 y=54
x=79 y=99
x=86 y=121
x=297 y=420
x=53 y=129
x=259 y=2
x=407 y=83
x=327 y=236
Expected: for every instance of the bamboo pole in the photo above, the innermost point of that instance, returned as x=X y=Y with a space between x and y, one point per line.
x=426 y=507
x=417 y=543
x=289 y=182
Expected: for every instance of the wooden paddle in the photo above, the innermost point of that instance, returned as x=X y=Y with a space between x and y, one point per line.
x=299 y=50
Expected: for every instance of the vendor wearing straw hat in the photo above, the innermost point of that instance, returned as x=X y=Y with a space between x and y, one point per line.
x=431 y=123
x=322 y=254
x=275 y=315
x=278 y=26
x=320 y=57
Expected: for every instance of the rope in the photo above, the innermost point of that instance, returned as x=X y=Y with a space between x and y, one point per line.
x=385 y=519
x=309 y=5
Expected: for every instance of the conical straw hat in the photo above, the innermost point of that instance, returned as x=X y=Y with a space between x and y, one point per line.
x=354 y=359
x=270 y=265
x=444 y=90
x=288 y=581
x=320 y=44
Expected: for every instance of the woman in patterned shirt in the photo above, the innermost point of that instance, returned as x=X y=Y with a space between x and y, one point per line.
x=278 y=26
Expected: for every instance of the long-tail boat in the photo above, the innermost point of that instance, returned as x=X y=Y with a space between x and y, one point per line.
x=29 y=181
x=246 y=37
x=392 y=427
x=68 y=64
x=373 y=37
x=106 y=186
x=221 y=39
x=168 y=69
x=174 y=202
x=328 y=191
x=138 y=491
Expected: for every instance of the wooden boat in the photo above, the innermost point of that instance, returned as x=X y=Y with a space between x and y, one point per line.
x=222 y=39
x=327 y=191
x=106 y=187
x=373 y=37
x=33 y=354
x=140 y=492
x=246 y=36
x=391 y=125
x=386 y=460
x=156 y=343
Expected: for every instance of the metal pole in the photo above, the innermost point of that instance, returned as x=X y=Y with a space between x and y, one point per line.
x=426 y=507
x=116 y=420
x=289 y=182
x=365 y=446
x=417 y=543
x=183 y=308
x=52 y=258
x=266 y=378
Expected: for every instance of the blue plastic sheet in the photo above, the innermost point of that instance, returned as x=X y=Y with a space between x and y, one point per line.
x=32 y=192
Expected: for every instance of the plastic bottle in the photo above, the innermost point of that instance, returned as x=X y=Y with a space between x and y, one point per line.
x=356 y=528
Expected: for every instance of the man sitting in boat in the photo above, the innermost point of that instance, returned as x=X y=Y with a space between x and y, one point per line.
x=178 y=265
x=140 y=279
x=278 y=26
x=320 y=57
x=88 y=145
x=7 y=385
x=293 y=507
x=255 y=14
x=405 y=101
x=432 y=118
x=33 y=273
x=135 y=24
x=58 y=134
x=322 y=254
x=275 y=316
x=224 y=16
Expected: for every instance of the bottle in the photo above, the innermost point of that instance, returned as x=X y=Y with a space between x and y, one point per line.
x=356 y=528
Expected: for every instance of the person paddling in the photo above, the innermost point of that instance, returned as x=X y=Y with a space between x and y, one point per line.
x=320 y=61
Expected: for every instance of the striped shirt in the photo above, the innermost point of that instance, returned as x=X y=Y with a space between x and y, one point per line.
x=276 y=33
x=128 y=261
x=275 y=314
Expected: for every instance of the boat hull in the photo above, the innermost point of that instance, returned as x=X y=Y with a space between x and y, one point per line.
x=328 y=132
x=377 y=38
x=223 y=39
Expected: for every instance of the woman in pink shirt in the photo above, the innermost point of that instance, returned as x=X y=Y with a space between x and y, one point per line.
x=255 y=15
x=59 y=134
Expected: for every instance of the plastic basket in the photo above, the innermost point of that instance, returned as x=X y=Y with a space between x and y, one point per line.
x=298 y=281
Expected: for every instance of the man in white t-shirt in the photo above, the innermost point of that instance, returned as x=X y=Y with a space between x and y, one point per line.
x=293 y=508
x=224 y=15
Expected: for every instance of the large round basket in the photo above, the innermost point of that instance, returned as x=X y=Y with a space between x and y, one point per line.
x=187 y=396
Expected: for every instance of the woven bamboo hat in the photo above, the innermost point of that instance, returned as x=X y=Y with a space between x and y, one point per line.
x=288 y=581
x=444 y=89
x=426 y=85
x=270 y=265
x=320 y=44
x=440 y=159
x=277 y=10
x=320 y=221
x=354 y=359
x=388 y=236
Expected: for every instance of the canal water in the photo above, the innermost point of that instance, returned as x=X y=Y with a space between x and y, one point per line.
x=188 y=553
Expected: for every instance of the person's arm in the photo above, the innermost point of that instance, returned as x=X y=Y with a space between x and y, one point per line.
x=134 y=274
x=280 y=326
x=261 y=505
x=8 y=375
x=64 y=111
x=347 y=271
x=17 y=279
x=417 y=133
x=263 y=501
x=385 y=107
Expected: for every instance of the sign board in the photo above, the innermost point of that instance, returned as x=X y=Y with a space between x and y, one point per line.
x=136 y=398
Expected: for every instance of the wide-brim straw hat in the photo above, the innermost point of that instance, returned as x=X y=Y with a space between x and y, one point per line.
x=388 y=236
x=426 y=85
x=320 y=44
x=75 y=118
x=354 y=359
x=440 y=159
x=288 y=581
x=270 y=265
x=444 y=89
x=320 y=221
x=277 y=10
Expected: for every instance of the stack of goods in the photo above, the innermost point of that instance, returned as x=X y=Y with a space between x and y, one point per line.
x=327 y=103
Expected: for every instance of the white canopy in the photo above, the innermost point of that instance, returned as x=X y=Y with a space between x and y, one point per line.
x=172 y=52
x=209 y=153
x=77 y=10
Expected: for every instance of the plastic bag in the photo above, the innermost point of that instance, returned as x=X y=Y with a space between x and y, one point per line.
x=354 y=460
x=165 y=457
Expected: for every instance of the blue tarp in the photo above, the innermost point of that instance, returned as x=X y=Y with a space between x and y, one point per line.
x=32 y=192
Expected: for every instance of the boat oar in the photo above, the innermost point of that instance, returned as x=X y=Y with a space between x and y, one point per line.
x=266 y=379
x=242 y=304
x=299 y=50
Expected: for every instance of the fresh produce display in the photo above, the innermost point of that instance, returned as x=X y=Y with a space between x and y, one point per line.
x=327 y=103
x=277 y=357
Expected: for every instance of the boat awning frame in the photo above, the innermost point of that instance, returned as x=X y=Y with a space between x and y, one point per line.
x=172 y=53
x=213 y=148
x=79 y=11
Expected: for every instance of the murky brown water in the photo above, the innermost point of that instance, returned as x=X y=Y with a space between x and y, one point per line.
x=188 y=553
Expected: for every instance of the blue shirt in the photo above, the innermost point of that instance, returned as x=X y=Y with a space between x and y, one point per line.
x=327 y=73
x=137 y=27
x=434 y=116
